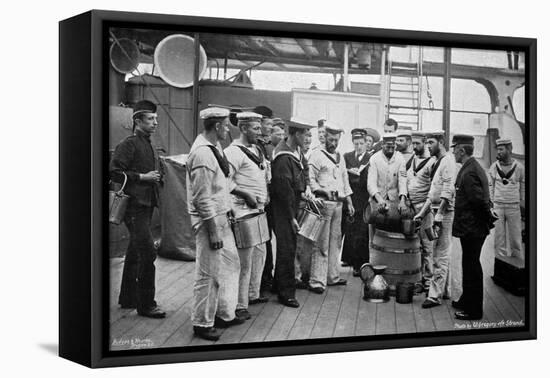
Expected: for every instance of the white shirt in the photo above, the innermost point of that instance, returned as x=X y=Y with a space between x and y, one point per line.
x=325 y=174
x=387 y=176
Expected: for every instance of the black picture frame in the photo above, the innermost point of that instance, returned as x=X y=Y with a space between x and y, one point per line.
x=83 y=332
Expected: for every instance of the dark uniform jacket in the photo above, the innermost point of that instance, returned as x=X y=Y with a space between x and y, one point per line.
x=288 y=181
x=472 y=203
x=358 y=184
x=135 y=155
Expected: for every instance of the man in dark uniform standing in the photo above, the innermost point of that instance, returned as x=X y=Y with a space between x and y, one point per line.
x=135 y=160
x=356 y=240
x=473 y=220
x=288 y=182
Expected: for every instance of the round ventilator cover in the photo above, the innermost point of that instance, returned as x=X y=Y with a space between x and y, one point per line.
x=175 y=60
x=124 y=55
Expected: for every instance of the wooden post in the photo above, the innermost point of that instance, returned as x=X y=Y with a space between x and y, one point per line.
x=346 y=76
x=447 y=95
x=196 y=86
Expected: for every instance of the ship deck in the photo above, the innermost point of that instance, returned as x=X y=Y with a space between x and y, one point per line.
x=339 y=312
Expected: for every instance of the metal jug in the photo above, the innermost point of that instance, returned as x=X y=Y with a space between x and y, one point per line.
x=376 y=289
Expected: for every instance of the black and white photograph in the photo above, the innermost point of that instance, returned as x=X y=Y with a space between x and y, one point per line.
x=267 y=188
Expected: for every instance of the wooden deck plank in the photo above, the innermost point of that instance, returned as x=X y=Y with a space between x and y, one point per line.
x=286 y=319
x=165 y=293
x=263 y=322
x=347 y=316
x=404 y=318
x=423 y=317
x=306 y=320
x=457 y=324
x=235 y=334
x=500 y=298
x=385 y=318
x=442 y=319
x=326 y=321
x=366 y=318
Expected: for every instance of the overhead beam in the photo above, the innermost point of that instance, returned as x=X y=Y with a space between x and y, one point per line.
x=308 y=50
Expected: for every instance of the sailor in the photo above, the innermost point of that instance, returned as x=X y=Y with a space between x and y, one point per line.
x=403 y=144
x=318 y=135
x=387 y=179
x=135 y=161
x=418 y=184
x=507 y=184
x=390 y=127
x=307 y=143
x=287 y=185
x=264 y=143
x=473 y=220
x=248 y=188
x=355 y=251
x=329 y=180
x=217 y=263
x=278 y=131
x=441 y=197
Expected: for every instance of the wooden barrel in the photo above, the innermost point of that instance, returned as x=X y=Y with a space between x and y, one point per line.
x=401 y=255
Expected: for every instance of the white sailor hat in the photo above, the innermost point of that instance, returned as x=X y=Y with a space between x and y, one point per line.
x=389 y=136
x=214 y=112
x=249 y=116
x=404 y=131
x=332 y=128
x=503 y=142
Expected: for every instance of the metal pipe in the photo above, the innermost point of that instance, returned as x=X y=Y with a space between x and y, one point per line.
x=447 y=95
x=346 y=77
x=196 y=85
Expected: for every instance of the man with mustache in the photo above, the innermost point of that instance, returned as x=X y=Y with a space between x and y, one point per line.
x=507 y=185
x=329 y=180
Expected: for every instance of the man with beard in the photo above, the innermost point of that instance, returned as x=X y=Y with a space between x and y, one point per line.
x=508 y=196
x=329 y=180
x=390 y=127
x=473 y=220
x=135 y=163
x=248 y=187
x=418 y=184
x=288 y=183
x=217 y=263
x=356 y=240
x=440 y=199
x=387 y=179
x=403 y=144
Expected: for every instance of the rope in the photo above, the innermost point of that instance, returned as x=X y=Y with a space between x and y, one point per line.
x=152 y=91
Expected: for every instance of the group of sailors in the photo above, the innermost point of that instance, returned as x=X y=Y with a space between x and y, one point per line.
x=278 y=168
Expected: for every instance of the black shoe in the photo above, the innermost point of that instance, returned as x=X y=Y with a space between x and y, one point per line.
x=220 y=323
x=260 y=299
x=301 y=285
x=207 y=333
x=316 y=290
x=345 y=264
x=429 y=303
x=127 y=306
x=289 y=302
x=243 y=313
x=356 y=273
x=340 y=282
x=152 y=312
x=463 y=315
x=457 y=305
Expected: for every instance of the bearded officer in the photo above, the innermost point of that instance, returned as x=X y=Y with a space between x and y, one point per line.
x=507 y=183
x=135 y=161
x=403 y=144
x=248 y=186
x=217 y=263
x=288 y=183
x=329 y=180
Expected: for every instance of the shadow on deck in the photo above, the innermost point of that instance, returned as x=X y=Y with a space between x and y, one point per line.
x=339 y=312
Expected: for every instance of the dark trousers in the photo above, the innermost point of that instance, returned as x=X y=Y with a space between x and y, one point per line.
x=285 y=281
x=138 y=276
x=267 y=275
x=356 y=240
x=472 y=275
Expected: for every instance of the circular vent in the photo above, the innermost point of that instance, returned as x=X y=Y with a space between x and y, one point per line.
x=124 y=55
x=175 y=60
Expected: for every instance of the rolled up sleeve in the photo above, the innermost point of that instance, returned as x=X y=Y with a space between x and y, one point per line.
x=448 y=177
x=372 y=178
